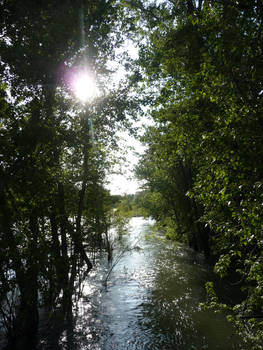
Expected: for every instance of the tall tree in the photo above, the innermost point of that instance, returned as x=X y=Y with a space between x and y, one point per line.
x=47 y=165
x=208 y=57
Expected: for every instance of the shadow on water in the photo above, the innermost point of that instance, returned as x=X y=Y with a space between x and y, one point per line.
x=151 y=301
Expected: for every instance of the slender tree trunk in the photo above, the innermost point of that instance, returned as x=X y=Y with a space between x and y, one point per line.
x=64 y=260
x=79 y=249
x=78 y=235
x=26 y=324
x=56 y=273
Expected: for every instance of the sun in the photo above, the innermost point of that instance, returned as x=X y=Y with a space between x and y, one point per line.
x=84 y=86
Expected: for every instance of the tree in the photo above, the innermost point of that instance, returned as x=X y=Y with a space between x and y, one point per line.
x=47 y=164
x=207 y=56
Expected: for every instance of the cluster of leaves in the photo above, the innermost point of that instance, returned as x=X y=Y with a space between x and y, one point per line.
x=203 y=166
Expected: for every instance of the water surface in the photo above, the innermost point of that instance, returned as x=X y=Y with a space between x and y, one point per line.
x=151 y=300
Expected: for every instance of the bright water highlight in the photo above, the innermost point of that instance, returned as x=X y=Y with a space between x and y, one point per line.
x=151 y=301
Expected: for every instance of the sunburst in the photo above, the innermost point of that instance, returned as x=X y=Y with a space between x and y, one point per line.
x=84 y=86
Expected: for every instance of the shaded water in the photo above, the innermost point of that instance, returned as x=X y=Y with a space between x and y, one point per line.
x=151 y=301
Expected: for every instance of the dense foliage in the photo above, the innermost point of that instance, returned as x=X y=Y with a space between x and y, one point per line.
x=200 y=69
x=54 y=209
x=203 y=164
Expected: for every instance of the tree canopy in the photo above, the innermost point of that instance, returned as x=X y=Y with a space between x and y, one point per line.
x=203 y=167
x=54 y=205
x=200 y=72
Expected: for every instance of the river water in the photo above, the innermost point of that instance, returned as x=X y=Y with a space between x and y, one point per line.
x=150 y=301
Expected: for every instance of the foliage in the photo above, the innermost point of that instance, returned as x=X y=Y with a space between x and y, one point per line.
x=206 y=57
x=200 y=69
x=130 y=205
x=54 y=208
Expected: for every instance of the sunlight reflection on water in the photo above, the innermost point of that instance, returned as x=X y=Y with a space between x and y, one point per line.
x=151 y=301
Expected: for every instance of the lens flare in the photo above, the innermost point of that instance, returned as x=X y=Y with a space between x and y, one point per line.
x=84 y=86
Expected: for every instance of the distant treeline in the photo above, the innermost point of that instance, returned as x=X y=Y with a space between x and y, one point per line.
x=130 y=204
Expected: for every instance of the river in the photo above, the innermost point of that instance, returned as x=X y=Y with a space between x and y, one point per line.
x=151 y=301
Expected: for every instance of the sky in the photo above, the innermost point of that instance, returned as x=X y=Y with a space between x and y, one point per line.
x=126 y=183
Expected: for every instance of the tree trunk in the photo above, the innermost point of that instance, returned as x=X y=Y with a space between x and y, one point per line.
x=78 y=235
x=64 y=260
x=26 y=324
x=54 y=280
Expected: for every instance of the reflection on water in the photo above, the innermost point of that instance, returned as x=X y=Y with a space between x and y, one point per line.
x=151 y=301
